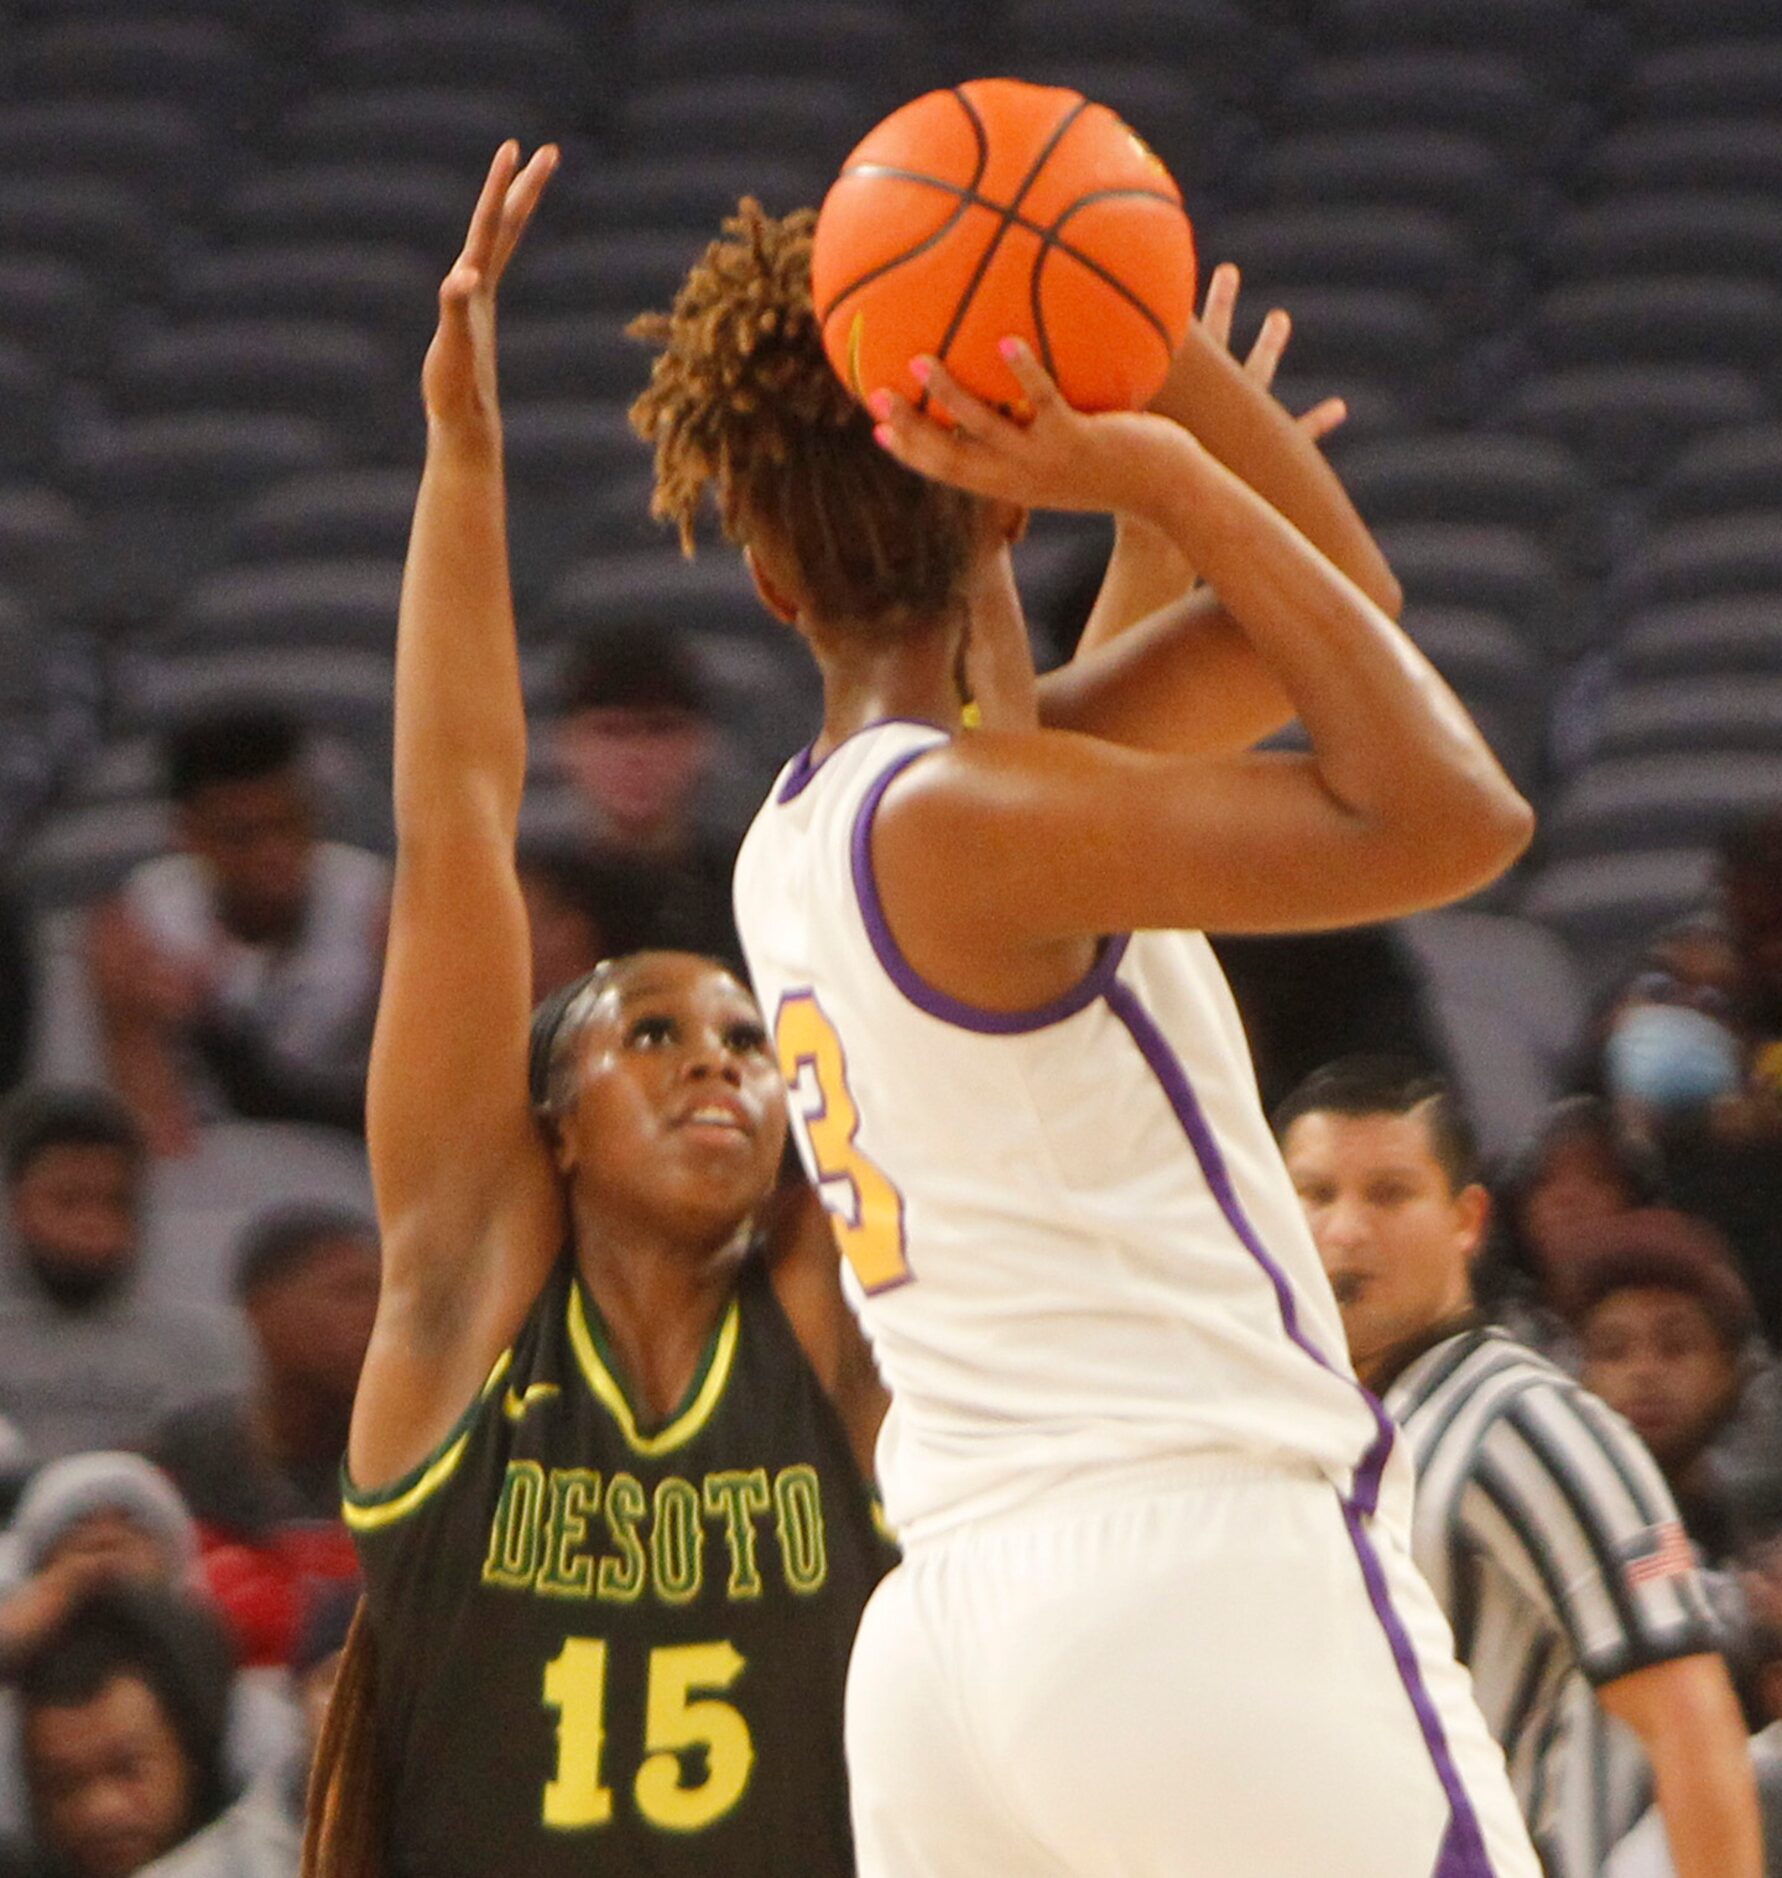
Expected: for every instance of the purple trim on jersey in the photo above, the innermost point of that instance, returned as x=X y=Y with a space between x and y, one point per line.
x=804 y=766
x=926 y=997
x=1166 y=1066
x=1462 y=1853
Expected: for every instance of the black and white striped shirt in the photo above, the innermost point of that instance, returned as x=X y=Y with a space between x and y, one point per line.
x=1553 y=1543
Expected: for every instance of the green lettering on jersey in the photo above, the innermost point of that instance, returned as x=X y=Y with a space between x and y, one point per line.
x=625 y=1571
x=739 y=1498
x=513 y=1533
x=677 y=1541
x=798 y=1520
x=564 y=1570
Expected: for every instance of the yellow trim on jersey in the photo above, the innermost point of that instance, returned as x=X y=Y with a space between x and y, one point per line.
x=370 y=1512
x=704 y=1396
x=514 y=1406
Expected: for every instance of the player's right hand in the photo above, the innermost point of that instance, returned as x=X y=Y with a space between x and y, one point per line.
x=458 y=377
x=1055 y=458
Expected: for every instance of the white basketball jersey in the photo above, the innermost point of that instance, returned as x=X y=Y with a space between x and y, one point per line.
x=1068 y=1231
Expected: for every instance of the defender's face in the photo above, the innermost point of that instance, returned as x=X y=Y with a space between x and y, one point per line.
x=680 y=1113
x=1395 y=1238
x=1654 y=1356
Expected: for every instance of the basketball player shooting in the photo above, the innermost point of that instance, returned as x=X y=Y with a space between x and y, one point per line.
x=1156 y=1613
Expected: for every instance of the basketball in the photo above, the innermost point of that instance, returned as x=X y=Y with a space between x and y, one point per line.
x=998 y=208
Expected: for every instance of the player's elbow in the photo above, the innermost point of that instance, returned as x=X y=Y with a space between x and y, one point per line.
x=1468 y=840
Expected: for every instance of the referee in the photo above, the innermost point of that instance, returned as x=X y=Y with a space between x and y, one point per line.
x=1542 y=1523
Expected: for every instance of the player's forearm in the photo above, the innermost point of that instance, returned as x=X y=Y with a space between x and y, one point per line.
x=1248 y=429
x=1688 y=1721
x=460 y=732
x=1393 y=746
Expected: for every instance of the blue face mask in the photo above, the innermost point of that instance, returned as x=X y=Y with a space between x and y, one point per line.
x=1671 y=1058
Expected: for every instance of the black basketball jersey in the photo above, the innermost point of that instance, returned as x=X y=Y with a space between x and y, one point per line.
x=609 y=1648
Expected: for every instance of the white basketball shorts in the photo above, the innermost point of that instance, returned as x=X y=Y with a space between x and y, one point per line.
x=1218 y=1671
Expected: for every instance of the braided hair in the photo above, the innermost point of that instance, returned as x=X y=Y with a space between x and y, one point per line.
x=742 y=401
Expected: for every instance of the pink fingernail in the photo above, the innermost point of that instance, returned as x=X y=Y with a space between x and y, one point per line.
x=1009 y=348
x=921 y=370
x=882 y=436
x=879 y=404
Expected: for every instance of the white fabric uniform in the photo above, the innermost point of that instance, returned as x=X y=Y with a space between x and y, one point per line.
x=1112 y=1354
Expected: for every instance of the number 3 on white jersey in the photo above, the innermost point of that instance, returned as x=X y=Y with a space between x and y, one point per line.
x=866 y=1208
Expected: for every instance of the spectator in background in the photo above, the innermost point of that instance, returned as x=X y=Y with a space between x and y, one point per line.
x=1669 y=1340
x=86 y=1359
x=17 y=992
x=1577 y=1172
x=261 y=1835
x=239 y=974
x=260 y=1469
x=1543 y=1527
x=1751 y=887
x=580 y=910
x=636 y=741
x=122 y=1717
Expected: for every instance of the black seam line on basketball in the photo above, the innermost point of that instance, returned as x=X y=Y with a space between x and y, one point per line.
x=897 y=260
x=1048 y=237
x=1008 y=216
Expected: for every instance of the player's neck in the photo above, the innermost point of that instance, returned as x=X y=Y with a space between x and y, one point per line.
x=868 y=682
x=658 y=1306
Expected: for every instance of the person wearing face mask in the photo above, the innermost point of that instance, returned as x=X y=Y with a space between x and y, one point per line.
x=1672 y=1052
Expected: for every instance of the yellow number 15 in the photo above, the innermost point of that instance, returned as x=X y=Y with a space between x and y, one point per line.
x=866 y=1208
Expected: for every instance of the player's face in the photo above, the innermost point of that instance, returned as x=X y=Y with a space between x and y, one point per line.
x=680 y=1114
x=1395 y=1238
x=1655 y=1357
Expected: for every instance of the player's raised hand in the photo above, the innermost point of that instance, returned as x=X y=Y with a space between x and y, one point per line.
x=458 y=377
x=1055 y=458
x=1264 y=359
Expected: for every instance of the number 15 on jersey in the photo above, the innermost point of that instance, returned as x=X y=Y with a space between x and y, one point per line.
x=866 y=1207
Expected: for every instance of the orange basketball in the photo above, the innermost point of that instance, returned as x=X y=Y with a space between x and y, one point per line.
x=999 y=207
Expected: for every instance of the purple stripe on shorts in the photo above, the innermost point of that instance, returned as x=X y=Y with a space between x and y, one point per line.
x=925 y=997
x=1462 y=1853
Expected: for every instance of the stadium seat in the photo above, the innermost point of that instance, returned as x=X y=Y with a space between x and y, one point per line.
x=1678 y=231
x=1697 y=321
x=1701 y=557
x=157 y=149
x=1483 y=94
x=514 y=48
x=422 y=205
x=458 y=130
x=1608 y=907
x=1216 y=42
x=877 y=48
x=1628 y=421
x=1497 y=568
x=1498 y=678
x=1410 y=250
x=99 y=226
x=621 y=273
x=347 y=689
x=1714 y=151
x=1724 y=711
x=1662 y=22
x=43 y=543
x=1461 y=176
x=1506 y=997
x=358 y=513
x=49 y=307
x=815 y=119
x=1723 y=472
x=695 y=193
x=655 y=588
x=296 y=603
x=1737 y=633
x=1382 y=407
x=1628 y=804
x=572 y=354
x=557 y=440
x=74 y=856
x=376 y=285
x=1562 y=41
x=211 y=67
x=1729 y=76
x=1527 y=483
x=28 y=397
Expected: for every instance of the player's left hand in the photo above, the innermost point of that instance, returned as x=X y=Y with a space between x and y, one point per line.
x=1264 y=358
